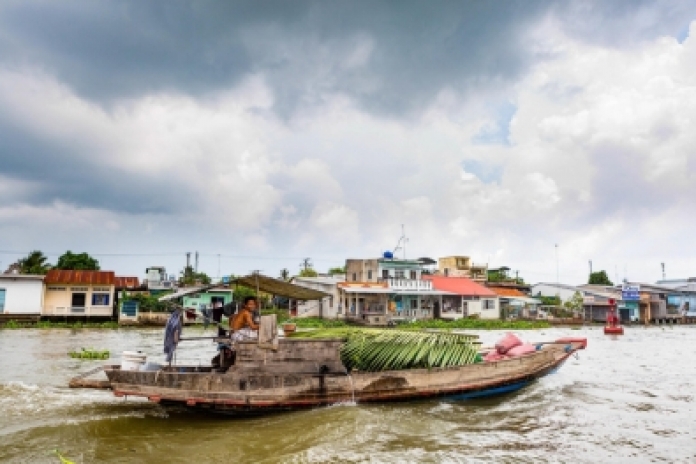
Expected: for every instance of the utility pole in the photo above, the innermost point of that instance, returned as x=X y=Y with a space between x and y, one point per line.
x=256 y=273
x=188 y=259
x=196 y=269
x=306 y=263
x=663 y=271
x=590 y=267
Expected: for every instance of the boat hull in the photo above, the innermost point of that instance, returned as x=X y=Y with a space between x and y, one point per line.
x=257 y=386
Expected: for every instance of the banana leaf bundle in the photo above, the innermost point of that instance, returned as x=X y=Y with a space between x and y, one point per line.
x=385 y=350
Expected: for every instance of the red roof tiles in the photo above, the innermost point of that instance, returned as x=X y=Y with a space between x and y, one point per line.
x=57 y=276
x=126 y=282
x=503 y=291
x=459 y=285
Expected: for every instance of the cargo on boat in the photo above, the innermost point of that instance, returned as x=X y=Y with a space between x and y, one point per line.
x=291 y=374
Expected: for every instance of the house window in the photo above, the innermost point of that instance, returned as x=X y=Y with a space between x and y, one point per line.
x=385 y=273
x=488 y=304
x=77 y=302
x=399 y=274
x=355 y=277
x=2 y=299
x=100 y=299
x=414 y=304
x=413 y=275
x=57 y=289
x=369 y=275
x=79 y=289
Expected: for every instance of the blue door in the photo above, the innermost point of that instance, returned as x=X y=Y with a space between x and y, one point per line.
x=2 y=300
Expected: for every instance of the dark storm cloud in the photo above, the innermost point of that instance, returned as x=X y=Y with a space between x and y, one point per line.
x=64 y=173
x=108 y=50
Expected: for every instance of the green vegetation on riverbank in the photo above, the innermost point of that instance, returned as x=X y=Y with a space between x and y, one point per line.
x=478 y=324
x=283 y=316
x=59 y=325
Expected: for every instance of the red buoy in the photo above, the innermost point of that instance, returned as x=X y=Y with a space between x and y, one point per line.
x=613 y=327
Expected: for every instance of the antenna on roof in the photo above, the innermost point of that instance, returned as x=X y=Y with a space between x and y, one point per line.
x=401 y=244
x=663 y=271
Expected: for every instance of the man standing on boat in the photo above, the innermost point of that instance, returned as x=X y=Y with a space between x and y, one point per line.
x=242 y=324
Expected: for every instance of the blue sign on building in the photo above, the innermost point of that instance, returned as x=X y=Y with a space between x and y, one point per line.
x=226 y=279
x=630 y=293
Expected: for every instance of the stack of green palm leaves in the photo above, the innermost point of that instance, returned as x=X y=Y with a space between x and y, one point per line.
x=385 y=350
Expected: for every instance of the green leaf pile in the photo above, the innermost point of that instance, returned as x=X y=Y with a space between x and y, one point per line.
x=385 y=350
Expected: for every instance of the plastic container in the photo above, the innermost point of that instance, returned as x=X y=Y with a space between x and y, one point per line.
x=150 y=367
x=132 y=360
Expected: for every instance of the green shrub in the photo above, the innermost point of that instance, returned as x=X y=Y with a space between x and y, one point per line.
x=470 y=323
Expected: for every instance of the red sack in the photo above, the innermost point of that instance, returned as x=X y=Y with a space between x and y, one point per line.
x=521 y=350
x=493 y=356
x=508 y=342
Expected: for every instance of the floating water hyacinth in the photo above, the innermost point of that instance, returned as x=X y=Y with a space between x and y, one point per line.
x=90 y=354
x=62 y=459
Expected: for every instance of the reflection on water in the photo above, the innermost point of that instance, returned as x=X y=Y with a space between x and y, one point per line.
x=629 y=399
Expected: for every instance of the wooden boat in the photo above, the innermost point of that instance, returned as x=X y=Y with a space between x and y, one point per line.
x=306 y=373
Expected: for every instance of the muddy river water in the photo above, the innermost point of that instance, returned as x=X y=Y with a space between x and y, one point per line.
x=628 y=399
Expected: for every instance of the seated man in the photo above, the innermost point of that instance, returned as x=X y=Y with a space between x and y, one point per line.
x=242 y=324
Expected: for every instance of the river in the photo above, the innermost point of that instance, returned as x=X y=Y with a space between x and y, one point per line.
x=626 y=399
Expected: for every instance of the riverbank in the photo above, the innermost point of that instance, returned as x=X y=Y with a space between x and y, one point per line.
x=11 y=324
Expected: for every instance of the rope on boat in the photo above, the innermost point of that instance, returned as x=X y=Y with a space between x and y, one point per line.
x=87 y=374
x=79 y=382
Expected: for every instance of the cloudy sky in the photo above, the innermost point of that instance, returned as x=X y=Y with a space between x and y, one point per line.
x=259 y=133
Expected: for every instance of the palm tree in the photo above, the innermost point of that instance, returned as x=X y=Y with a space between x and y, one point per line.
x=284 y=274
x=34 y=263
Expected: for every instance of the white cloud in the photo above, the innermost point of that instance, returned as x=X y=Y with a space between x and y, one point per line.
x=601 y=152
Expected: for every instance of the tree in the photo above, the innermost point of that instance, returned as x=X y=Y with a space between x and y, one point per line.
x=575 y=303
x=190 y=277
x=549 y=300
x=337 y=270
x=77 y=262
x=284 y=274
x=599 y=278
x=308 y=272
x=34 y=263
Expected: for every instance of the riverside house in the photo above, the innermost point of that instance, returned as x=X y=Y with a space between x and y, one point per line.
x=462 y=297
x=328 y=307
x=21 y=294
x=79 y=293
x=380 y=290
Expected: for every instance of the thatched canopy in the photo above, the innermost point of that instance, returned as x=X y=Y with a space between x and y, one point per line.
x=279 y=287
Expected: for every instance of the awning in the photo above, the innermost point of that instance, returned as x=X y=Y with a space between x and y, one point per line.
x=366 y=290
x=279 y=287
x=183 y=292
x=521 y=300
x=374 y=290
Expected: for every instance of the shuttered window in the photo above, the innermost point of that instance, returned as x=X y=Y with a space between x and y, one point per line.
x=2 y=299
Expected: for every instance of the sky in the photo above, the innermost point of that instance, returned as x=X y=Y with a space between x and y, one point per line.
x=534 y=135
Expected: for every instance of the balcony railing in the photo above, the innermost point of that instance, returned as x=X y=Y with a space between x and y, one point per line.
x=78 y=311
x=408 y=284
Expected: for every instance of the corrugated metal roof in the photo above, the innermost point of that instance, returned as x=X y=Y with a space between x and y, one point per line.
x=58 y=276
x=126 y=282
x=459 y=286
x=503 y=291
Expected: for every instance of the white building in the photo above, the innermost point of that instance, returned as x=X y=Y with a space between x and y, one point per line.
x=329 y=306
x=21 y=294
